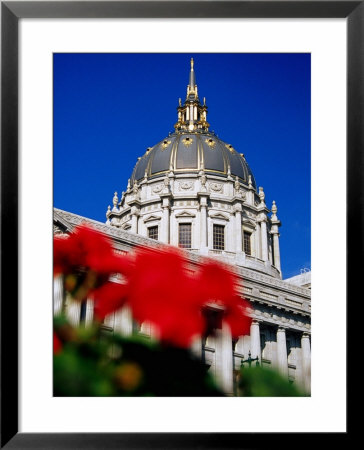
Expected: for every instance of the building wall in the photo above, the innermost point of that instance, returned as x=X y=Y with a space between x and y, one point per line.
x=281 y=312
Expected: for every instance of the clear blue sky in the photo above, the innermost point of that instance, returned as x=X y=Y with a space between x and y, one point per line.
x=108 y=108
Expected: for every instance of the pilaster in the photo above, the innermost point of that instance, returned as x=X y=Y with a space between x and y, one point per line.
x=282 y=359
x=306 y=361
x=255 y=339
x=135 y=212
x=165 y=231
x=224 y=359
x=203 y=199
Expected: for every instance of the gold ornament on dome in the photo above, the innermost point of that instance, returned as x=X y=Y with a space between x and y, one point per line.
x=187 y=142
x=165 y=144
x=210 y=142
x=230 y=148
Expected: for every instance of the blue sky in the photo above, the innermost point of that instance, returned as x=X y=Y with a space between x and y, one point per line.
x=108 y=108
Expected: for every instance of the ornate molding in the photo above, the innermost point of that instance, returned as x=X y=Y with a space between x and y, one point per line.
x=187 y=141
x=211 y=143
x=219 y=216
x=166 y=143
x=216 y=187
x=186 y=214
x=185 y=185
x=151 y=218
x=158 y=188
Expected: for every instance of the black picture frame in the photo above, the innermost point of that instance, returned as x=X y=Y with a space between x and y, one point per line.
x=11 y=12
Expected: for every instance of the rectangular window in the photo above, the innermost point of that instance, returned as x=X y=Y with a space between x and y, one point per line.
x=219 y=237
x=247 y=243
x=184 y=235
x=153 y=232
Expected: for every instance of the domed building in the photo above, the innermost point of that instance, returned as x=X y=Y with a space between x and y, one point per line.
x=193 y=190
x=196 y=191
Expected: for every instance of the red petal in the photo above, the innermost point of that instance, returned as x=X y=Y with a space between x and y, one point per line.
x=57 y=345
x=109 y=298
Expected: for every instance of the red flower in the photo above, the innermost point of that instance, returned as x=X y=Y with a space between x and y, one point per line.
x=87 y=260
x=88 y=248
x=161 y=291
x=220 y=286
x=108 y=298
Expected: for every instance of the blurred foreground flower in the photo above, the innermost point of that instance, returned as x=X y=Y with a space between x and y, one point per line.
x=157 y=286
x=221 y=286
x=164 y=293
x=87 y=260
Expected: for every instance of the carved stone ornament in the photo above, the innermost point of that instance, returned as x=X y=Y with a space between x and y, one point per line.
x=210 y=142
x=158 y=188
x=165 y=144
x=185 y=185
x=216 y=187
x=187 y=142
x=135 y=188
x=115 y=199
x=230 y=148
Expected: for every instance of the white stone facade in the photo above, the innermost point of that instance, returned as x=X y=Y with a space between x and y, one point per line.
x=186 y=201
x=280 y=334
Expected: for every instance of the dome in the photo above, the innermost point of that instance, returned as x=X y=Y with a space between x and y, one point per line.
x=189 y=152
x=192 y=147
x=196 y=191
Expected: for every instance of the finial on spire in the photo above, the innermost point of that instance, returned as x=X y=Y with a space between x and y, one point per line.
x=261 y=195
x=192 y=84
x=274 y=211
x=192 y=115
x=115 y=199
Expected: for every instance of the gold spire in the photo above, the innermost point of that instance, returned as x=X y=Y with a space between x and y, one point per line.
x=192 y=115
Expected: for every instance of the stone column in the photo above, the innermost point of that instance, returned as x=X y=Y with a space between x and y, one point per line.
x=264 y=240
x=165 y=221
x=224 y=359
x=306 y=361
x=276 y=252
x=203 y=227
x=165 y=225
x=89 y=312
x=134 y=220
x=257 y=242
x=58 y=294
x=73 y=311
x=270 y=249
x=275 y=236
x=203 y=197
x=123 y=321
x=238 y=228
x=282 y=359
x=255 y=348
